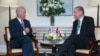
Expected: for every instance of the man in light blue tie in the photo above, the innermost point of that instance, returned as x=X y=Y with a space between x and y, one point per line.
x=21 y=32
x=82 y=33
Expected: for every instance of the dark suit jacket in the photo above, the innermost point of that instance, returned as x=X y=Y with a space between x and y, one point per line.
x=86 y=32
x=16 y=30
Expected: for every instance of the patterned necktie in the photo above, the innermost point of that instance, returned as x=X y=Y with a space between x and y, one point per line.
x=22 y=23
x=78 y=27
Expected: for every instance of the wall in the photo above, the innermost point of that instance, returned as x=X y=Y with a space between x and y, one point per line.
x=31 y=8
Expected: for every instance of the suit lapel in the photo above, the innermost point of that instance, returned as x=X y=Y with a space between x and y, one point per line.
x=25 y=23
x=18 y=23
x=75 y=27
x=83 y=24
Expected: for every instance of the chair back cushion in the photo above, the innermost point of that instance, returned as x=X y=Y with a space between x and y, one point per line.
x=97 y=33
x=7 y=33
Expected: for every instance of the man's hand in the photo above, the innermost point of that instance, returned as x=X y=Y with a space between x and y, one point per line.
x=27 y=30
x=34 y=30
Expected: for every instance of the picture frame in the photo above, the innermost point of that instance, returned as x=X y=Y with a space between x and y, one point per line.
x=68 y=6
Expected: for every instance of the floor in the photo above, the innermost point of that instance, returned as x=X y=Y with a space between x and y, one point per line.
x=43 y=54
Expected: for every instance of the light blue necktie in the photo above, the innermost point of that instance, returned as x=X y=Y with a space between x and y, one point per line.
x=78 y=27
x=22 y=23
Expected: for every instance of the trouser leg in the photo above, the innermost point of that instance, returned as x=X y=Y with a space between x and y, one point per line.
x=71 y=51
x=64 y=46
x=27 y=47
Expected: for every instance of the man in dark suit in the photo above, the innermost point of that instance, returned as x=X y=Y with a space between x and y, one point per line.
x=82 y=34
x=20 y=30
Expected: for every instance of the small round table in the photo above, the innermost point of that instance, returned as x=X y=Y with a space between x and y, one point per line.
x=52 y=45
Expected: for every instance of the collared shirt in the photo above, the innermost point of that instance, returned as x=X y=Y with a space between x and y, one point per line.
x=21 y=23
x=81 y=20
x=19 y=20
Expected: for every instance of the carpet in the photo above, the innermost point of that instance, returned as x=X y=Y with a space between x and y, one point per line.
x=41 y=54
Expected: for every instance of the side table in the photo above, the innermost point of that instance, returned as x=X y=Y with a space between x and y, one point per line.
x=52 y=45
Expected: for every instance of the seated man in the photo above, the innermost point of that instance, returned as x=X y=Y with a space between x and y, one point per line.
x=82 y=33
x=21 y=32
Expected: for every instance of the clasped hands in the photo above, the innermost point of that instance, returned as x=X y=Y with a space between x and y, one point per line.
x=27 y=30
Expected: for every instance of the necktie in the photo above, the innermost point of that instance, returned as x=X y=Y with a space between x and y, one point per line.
x=22 y=23
x=78 y=27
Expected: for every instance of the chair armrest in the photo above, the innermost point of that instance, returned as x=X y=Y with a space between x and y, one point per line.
x=8 y=43
x=35 y=42
x=97 y=41
x=93 y=43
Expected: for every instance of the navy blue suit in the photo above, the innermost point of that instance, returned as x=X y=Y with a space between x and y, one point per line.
x=18 y=39
x=81 y=41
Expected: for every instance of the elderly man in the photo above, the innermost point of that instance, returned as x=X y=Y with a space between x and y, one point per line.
x=20 y=30
x=82 y=33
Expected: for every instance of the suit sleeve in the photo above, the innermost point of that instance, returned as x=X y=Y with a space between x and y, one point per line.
x=13 y=30
x=30 y=33
x=90 y=27
x=89 y=32
x=73 y=29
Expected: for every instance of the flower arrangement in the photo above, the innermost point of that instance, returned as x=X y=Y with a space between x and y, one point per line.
x=53 y=36
x=51 y=8
x=56 y=36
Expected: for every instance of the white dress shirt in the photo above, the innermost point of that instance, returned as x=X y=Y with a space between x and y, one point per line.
x=21 y=23
x=81 y=20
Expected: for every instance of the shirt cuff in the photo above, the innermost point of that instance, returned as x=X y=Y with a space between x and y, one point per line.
x=24 y=33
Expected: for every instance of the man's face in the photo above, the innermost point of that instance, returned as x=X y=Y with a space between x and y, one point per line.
x=77 y=13
x=22 y=13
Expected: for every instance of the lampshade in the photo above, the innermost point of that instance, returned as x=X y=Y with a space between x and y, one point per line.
x=11 y=3
x=94 y=2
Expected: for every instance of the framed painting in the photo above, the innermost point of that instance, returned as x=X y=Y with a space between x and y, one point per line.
x=68 y=6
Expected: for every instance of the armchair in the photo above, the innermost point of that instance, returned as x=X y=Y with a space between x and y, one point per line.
x=16 y=52
x=91 y=52
x=88 y=52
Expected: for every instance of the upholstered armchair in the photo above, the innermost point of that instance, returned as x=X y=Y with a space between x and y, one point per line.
x=17 y=52
x=90 y=51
